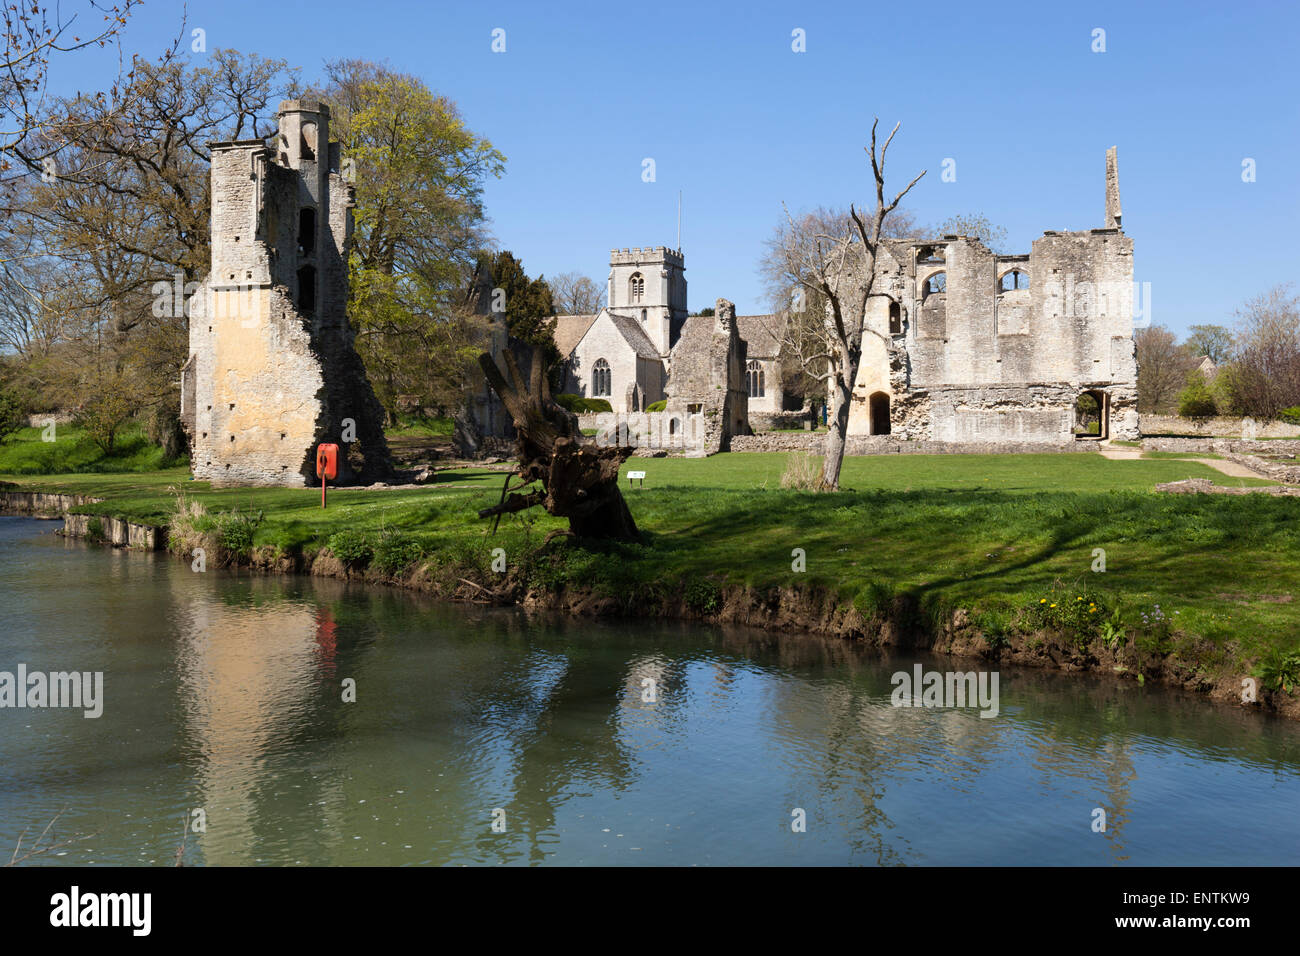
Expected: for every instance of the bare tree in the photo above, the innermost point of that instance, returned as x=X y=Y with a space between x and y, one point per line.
x=831 y=260
x=575 y=294
x=1163 y=367
x=33 y=33
x=1265 y=378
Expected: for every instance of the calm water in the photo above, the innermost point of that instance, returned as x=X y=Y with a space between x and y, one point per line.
x=224 y=692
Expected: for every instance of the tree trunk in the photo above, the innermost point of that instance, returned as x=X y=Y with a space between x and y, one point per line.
x=837 y=427
x=579 y=481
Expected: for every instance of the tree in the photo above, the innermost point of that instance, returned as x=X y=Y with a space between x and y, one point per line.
x=1265 y=377
x=1214 y=341
x=575 y=294
x=528 y=304
x=974 y=224
x=578 y=480
x=34 y=33
x=1163 y=365
x=1196 y=400
x=121 y=205
x=419 y=226
x=11 y=413
x=831 y=260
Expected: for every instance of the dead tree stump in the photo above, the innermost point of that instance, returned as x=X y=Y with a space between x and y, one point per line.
x=579 y=481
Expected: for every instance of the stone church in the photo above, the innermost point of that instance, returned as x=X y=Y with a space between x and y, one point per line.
x=627 y=352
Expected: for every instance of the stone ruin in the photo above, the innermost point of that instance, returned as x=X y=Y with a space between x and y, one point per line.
x=273 y=370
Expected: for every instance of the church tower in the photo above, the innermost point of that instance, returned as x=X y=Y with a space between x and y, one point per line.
x=649 y=285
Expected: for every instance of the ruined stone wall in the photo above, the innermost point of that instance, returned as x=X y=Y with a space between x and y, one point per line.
x=707 y=376
x=815 y=443
x=273 y=369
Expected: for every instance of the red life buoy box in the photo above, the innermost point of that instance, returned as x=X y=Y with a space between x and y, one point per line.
x=327 y=461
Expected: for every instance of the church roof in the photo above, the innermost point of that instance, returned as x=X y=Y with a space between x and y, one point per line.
x=762 y=333
x=569 y=330
x=635 y=335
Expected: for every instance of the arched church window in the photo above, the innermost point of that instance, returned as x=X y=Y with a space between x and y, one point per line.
x=600 y=381
x=636 y=286
x=1013 y=280
x=754 y=378
x=937 y=284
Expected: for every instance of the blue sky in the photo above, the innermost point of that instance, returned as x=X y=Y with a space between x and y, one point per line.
x=739 y=123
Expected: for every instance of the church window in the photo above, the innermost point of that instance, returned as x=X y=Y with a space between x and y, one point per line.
x=937 y=284
x=1013 y=280
x=600 y=384
x=636 y=286
x=754 y=378
x=895 y=319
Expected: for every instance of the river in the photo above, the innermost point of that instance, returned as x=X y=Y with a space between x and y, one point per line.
x=488 y=736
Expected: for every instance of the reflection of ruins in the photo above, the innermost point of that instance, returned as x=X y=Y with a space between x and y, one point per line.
x=248 y=681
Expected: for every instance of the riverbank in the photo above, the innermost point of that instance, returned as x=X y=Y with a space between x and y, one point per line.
x=1062 y=561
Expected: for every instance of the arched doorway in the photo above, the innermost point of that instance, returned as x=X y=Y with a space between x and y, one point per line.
x=1092 y=415
x=878 y=410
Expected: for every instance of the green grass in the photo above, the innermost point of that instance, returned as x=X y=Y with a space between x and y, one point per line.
x=1182 y=454
x=422 y=428
x=995 y=534
x=24 y=453
x=1070 y=471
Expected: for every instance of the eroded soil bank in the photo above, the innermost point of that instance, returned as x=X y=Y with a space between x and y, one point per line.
x=901 y=623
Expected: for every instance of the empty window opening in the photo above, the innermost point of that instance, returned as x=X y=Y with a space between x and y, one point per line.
x=600 y=381
x=307 y=231
x=1013 y=281
x=754 y=378
x=930 y=254
x=307 y=290
x=895 y=319
x=309 y=141
x=878 y=408
x=937 y=284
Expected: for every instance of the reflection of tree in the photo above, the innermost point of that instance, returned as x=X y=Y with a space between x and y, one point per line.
x=562 y=734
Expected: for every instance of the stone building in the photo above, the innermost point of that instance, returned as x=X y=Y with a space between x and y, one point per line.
x=273 y=370
x=964 y=345
x=631 y=352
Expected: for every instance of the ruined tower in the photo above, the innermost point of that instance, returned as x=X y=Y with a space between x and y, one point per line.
x=273 y=369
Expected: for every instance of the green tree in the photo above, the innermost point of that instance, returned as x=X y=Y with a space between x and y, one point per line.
x=528 y=305
x=1216 y=341
x=1196 y=400
x=11 y=413
x=419 y=224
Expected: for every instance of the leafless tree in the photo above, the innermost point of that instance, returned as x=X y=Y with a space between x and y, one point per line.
x=1163 y=367
x=830 y=261
x=34 y=32
x=1265 y=378
x=575 y=294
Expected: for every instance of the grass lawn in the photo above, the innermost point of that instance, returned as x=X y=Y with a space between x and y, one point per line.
x=996 y=534
x=24 y=453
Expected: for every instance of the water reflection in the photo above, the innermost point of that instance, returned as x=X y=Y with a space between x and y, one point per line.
x=228 y=693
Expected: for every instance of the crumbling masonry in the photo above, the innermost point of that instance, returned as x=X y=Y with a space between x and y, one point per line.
x=273 y=370
x=964 y=345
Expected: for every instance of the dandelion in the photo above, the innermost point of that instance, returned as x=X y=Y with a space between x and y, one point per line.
x=1044 y=601
x=1053 y=605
